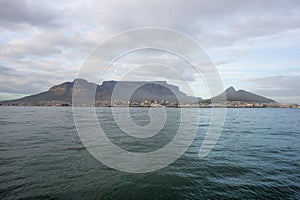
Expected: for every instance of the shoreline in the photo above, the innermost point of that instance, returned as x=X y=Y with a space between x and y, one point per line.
x=70 y=106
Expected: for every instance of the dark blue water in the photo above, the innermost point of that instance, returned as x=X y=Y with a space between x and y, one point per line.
x=256 y=157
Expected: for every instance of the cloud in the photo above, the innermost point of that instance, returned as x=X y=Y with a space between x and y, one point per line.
x=7 y=70
x=30 y=82
x=211 y=22
x=45 y=42
x=282 y=87
x=16 y=14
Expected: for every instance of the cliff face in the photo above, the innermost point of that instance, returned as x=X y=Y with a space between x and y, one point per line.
x=142 y=90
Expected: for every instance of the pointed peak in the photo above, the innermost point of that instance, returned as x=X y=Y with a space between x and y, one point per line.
x=230 y=89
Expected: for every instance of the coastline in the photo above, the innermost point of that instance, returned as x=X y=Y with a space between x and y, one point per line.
x=294 y=106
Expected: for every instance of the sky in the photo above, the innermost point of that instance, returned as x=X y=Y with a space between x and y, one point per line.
x=255 y=45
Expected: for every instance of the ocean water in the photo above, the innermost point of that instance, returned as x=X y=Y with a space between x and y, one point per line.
x=256 y=157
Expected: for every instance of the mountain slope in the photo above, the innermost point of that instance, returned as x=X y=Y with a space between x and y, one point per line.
x=160 y=90
x=57 y=94
x=145 y=90
x=242 y=95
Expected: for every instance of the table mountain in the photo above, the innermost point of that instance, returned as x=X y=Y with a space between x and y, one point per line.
x=62 y=94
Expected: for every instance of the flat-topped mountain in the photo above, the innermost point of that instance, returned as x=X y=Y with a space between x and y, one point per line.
x=62 y=94
x=152 y=90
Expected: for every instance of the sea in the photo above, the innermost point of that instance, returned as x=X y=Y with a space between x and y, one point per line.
x=257 y=156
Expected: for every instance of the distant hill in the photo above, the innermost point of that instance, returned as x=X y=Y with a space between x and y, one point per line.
x=242 y=95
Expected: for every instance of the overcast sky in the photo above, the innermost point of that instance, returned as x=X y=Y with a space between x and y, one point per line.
x=254 y=44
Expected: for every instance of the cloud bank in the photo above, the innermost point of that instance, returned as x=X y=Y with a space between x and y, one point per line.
x=44 y=43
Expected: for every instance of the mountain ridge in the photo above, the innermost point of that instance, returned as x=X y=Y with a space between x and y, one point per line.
x=232 y=94
x=151 y=90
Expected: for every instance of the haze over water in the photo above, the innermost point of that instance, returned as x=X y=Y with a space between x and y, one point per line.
x=256 y=157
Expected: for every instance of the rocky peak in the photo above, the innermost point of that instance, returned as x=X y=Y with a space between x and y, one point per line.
x=230 y=90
